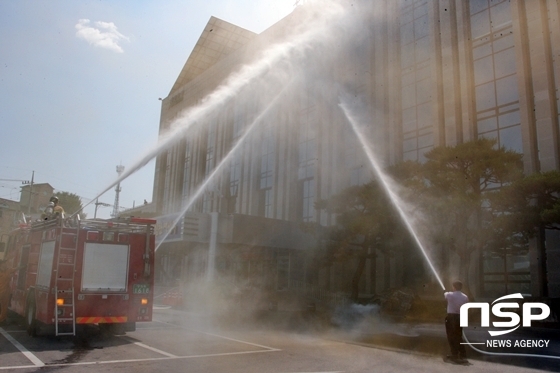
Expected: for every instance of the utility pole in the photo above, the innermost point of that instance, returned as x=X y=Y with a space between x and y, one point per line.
x=97 y=203
x=30 y=191
x=115 y=213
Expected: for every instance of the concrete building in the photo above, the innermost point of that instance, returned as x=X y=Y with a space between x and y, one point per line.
x=34 y=198
x=427 y=73
x=9 y=218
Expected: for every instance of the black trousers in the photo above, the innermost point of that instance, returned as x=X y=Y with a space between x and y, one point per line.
x=455 y=335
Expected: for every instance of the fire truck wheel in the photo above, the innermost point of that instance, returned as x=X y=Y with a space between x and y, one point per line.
x=30 y=320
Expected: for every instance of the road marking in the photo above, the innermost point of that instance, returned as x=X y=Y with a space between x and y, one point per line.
x=34 y=359
x=220 y=336
x=148 y=347
x=239 y=341
x=168 y=356
x=144 y=360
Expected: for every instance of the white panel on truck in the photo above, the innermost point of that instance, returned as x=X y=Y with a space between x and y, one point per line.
x=105 y=267
x=45 y=264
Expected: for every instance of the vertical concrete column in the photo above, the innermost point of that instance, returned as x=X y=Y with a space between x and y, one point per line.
x=525 y=86
x=212 y=246
x=465 y=70
x=449 y=113
x=546 y=116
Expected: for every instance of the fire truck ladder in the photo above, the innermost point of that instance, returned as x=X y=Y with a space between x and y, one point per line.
x=65 y=311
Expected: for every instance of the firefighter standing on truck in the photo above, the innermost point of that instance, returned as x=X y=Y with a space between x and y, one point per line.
x=53 y=210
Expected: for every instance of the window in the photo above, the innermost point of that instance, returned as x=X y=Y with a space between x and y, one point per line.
x=209 y=167
x=416 y=100
x=495 y=76
x=308 y=193
x=268 y=147
x=307 y=156
x=187 y=173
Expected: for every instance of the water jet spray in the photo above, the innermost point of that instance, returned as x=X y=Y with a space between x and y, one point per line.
x=395 y=200
x=316 y=33
x=222 y=163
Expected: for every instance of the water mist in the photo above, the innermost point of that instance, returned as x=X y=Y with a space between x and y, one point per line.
x=319 y=18
x=396 y=201
x=225 y=160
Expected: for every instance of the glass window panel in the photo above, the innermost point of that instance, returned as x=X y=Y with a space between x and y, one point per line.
x=485 y=96
x=421 y=10
x=500 y=14
x=507 y=90
x=483 y=70
x=409 y=115
x=490 y=135
x=509 y=119
x=425 y=115
x=426 y=140
x=478 y=5
x=408 y=79
x=503 y=42
x=408 y=96
x=421 y=27
x=409 y=144
x=481 y=51
x=409 y=135
x=409 y=126
x=268 y=203
x=422 y=49
x=480 y=24
x=355 y=177
x=423 y=91
x=514 y=106
x=488 y=124
x=407 y=33
x=410 y=156
x=310 y=170
x=511 y=138
x=311 y=149
x=407 y=56
x=422 y=154
x=423 y=73
x=406 y=17
x=308 y=197
x=504 y=63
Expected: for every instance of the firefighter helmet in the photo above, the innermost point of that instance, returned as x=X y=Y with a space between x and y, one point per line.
x=54 y=199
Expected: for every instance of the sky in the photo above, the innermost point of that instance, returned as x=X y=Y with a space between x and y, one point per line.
x=80 y=83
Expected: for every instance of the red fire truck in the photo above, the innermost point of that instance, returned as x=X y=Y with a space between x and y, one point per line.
x=70 y=273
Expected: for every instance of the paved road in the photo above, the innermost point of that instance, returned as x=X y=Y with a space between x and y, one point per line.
x=179 y=341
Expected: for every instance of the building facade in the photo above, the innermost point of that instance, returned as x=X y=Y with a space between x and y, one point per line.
x=34 y=198
x=259 y=136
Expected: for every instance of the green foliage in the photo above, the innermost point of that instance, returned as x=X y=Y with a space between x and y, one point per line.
x=529 y=204
x=364 y=216
x=71 y=203
x=365 y=219
x=471 y=168
x=453 y=188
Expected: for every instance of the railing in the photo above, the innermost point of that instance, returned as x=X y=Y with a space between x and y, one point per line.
x=127 y=225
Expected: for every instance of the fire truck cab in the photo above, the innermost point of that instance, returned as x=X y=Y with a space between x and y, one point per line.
x=68 y=273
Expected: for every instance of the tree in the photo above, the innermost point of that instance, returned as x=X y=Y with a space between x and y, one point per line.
x=71 y=203
x=453 y=187
x=533 y=202
x=524 y=210
x=365 y=220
